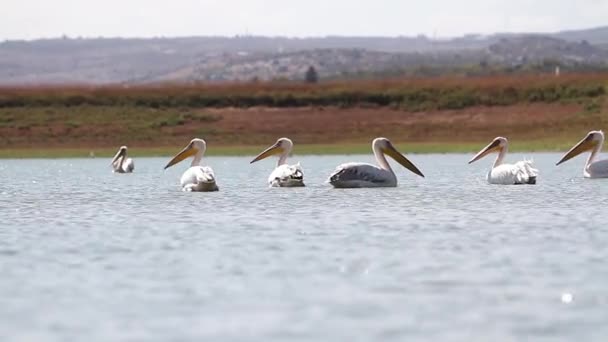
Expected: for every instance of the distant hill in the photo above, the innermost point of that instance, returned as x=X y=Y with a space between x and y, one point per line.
x=117 y=60
x=533 y=48
x=596 y=36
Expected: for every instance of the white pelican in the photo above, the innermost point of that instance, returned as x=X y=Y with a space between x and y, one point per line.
x=120 y=162
x=592 y=142
x=284 y=175
x=364 y=175
x=196 y=178
x=521 y=172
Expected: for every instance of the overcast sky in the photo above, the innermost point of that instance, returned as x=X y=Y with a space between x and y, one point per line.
x=28 y=19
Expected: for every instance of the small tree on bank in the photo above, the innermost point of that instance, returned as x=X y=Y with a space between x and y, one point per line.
x=311 y=75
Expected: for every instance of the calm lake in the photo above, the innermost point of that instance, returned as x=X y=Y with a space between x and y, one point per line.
x=88 y=255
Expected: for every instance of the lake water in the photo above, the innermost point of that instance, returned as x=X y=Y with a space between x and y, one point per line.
x=87 y=255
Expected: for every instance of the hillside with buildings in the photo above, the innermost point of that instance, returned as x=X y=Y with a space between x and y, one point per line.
x=245 y=58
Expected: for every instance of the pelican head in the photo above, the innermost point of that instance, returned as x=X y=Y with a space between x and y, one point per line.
x=386 y=147
x=589 y=142
x=498 y=144
x=122 y=152
x=196 y=146
x=283 y=145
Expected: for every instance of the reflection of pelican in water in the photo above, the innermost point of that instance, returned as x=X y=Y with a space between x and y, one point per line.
x=196 y=178
x=364 y=175
x=521 y=172
x=284 y=175
x=120 y=162
x=592 y=142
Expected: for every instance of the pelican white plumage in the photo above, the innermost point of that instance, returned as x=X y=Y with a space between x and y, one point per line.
x=521 y=172
x=592 y=142
x=120 y=162
x=284 y=175
x=197 y=177
x=364 y=175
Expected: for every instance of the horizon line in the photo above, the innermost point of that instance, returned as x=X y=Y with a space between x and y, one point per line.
x=302 y=37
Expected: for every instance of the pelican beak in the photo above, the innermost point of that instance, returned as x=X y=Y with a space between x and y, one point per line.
x=119 y=154
x=583 y=146
x=183 y=154
x=272 y=150
x=400 y=158
x=492 y=147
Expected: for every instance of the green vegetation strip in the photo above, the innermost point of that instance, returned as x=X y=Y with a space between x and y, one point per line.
x=329 y=149
x=407 y=94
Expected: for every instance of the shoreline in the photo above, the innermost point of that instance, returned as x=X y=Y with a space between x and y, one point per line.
x=299 y=149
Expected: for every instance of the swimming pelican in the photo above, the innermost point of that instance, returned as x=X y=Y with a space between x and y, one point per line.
x=284 y=175
x=364 y=175
x=120 y=162
x=592 y=142
x=196 y=178
x=521 y=172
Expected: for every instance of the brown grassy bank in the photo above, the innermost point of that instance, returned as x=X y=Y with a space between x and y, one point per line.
x=111 y=126
x=538 y=110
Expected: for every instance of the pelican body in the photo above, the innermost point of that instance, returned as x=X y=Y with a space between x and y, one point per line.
x=197 y=177
x=284 y=175
x=521 y=172
x=592 y=142
x=364 y=175
x=120 y=162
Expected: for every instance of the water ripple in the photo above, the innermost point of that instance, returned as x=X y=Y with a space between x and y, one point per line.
x=85 y=253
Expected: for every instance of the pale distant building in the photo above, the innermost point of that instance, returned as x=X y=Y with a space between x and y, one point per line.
x=557 y=71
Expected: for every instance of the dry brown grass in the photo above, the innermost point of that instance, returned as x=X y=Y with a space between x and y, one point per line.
x=409 y=94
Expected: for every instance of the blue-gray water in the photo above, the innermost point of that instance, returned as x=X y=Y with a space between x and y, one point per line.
x=87 y=255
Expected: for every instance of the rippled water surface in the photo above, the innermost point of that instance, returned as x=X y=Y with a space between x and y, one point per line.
x=87 y=255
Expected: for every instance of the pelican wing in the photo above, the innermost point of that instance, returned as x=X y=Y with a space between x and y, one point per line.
x=123 y=167
x=129 y=165
x=287 y=176
x=359 y=175
x=598 y=169
x=199 y=178
x=204 y=174
x=521 y=172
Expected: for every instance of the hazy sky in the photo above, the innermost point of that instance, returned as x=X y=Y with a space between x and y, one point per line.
x=27 y=19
